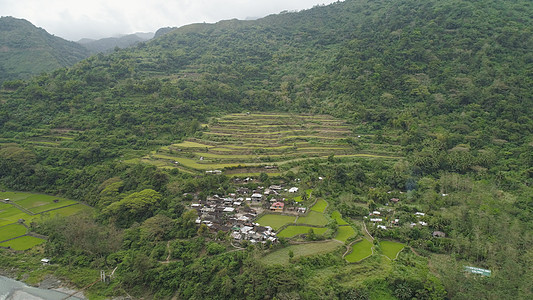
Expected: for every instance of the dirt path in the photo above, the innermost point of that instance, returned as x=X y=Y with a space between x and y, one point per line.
x=22 y=208
x=169 y=252
x=366 y=233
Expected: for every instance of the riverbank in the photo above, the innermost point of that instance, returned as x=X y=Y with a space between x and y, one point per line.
x=49 y=289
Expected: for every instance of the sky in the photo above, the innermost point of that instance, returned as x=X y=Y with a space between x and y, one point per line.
x=76 y=19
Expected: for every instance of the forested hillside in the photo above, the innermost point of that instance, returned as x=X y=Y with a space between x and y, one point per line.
x=446 y=84
x=26 y=50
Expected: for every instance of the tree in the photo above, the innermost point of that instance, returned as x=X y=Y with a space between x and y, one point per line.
x=291 y=254
x=157 y=228
x=203 y=230
x=135 y=207
x=263 y=177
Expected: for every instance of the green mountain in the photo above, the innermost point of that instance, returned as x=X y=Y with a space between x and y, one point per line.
x=27 y=50
x=416 y=66
x=109 y=44
x=445 y=85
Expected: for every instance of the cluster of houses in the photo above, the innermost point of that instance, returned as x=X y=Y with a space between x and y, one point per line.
x=375 y=218
x=254 y=233
x=222 y=213
x=236 y=212
x=230 y=214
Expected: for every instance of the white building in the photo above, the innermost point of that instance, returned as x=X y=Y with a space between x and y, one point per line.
x=293 y=190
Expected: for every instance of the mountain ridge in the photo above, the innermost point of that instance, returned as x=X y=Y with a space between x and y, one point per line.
x=110 y=43
x=28 y=50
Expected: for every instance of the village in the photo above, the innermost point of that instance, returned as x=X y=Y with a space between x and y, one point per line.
x=386 y=217
x=236 y=212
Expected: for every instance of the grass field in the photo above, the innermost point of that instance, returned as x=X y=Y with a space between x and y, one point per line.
x=275 y=221
x=10 y=214
x=291 y=231
x=281 y=256
x=10 y=231
x=313 y=218
x=23 y=243
x=14 y=196
x=336 y=215
x=39 y=205
x=69 y=210
x=391 y=249
x=344 y=233
x=360 y=250
x=320 y=206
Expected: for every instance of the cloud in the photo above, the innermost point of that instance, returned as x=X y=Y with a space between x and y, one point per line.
x=75 y=19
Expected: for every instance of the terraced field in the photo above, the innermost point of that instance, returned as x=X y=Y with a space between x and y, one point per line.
x=344 y=233
x=291 y=231
x=360 y=251
x=57 y=138
x=282 y=256
x=391 y=249
x=253 y=143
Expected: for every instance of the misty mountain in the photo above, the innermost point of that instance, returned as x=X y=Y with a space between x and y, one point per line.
x=108 y=44
x=163 y=31
x=26 y=50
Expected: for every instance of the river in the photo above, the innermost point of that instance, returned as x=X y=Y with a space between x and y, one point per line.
x=15 y=290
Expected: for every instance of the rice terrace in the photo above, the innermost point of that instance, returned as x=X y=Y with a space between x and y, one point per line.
x=313 y=223
x=18 y=209
x=250 y=143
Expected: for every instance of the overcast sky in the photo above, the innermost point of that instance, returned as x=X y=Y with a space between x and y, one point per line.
x=76 y=19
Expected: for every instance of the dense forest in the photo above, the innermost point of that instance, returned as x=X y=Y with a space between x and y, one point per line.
x=450 y=81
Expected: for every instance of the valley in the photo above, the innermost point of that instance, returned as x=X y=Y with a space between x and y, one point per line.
x=358 y=150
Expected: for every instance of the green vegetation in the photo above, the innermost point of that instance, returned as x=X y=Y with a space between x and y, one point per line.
x=11 y=231
x=23 y=243
x=313 y=218
x=336 y=215
x=282 y=256
x=360 y=250
x=69 y=210
x=10 y=214
x=30 y=207
x=320 y=206
x=40 y=203
x=344 y=233
x=273 y=139
x=28 y=50
x=426 y=102
x=190 y=144
x=391 y=249
x=291 y=231
x=275 y=221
